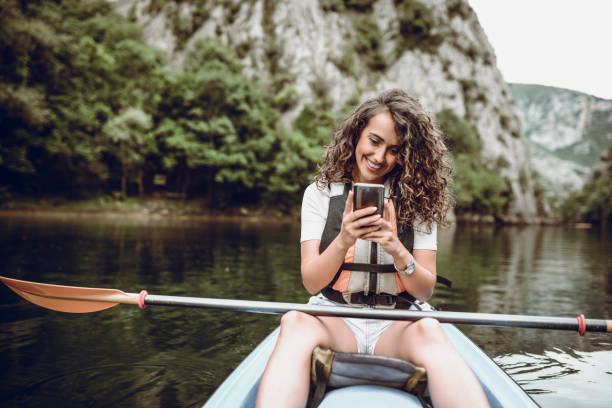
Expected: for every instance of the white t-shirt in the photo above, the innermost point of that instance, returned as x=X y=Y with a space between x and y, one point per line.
x=315 y=206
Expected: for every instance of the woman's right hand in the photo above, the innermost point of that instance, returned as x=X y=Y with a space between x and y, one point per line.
x=357 y=223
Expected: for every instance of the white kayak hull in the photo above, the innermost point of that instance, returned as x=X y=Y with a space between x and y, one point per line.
x=239 y=390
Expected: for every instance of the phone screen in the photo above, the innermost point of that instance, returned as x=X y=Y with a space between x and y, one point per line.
x=368 y=195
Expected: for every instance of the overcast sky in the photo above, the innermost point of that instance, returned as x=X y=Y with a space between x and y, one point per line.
x=562 y=43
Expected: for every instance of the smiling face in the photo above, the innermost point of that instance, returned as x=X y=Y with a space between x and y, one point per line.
x=377 y=150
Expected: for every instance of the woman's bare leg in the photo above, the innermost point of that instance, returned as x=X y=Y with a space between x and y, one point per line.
x=451 y=381
x=286 y=379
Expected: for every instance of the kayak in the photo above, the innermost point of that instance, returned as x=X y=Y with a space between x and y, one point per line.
x=240 y=388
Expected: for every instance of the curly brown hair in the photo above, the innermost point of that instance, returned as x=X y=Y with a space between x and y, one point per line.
x=422 y=173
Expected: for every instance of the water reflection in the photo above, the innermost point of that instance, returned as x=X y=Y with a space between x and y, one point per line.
x=175 y=356
x=563 y=378
x=552 y=271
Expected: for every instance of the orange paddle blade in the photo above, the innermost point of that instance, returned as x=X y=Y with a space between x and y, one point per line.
x=69 y=298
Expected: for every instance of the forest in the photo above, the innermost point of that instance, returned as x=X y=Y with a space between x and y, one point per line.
x=88 y=109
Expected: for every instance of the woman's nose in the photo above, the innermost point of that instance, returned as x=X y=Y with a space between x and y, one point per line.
x=379 y=155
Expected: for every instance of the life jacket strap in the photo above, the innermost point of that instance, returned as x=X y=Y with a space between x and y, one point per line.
x=372 y=299
x=402 y=301
x=444 y=281
x=384 y=268
x=368 y=267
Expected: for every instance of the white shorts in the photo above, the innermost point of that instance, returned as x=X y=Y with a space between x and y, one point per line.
x=366 y=331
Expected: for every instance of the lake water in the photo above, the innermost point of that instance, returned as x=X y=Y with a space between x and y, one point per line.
x=177 y=357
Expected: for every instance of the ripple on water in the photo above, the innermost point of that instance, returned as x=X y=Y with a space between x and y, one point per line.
x=563 y=378
x=161 y=383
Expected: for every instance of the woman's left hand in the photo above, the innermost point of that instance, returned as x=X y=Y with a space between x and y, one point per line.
x=385 y=235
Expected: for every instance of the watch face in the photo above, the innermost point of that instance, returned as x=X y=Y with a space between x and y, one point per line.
x=409 y=270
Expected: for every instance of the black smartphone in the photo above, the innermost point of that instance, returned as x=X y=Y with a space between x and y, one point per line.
x=369 y=195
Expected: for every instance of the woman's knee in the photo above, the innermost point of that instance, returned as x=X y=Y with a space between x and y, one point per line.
x=299 y=324
x=428 y=331
x=294 y=320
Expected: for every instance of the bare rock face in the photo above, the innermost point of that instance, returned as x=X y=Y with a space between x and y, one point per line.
x=570 y=124
x=451 y=66
x=567 y=132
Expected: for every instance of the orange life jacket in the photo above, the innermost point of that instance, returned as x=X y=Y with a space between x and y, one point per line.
x=367 y=275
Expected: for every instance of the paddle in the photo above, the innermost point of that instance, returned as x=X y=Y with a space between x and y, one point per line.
x=84 y=300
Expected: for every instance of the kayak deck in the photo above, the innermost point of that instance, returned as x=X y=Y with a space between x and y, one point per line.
x=240 y=388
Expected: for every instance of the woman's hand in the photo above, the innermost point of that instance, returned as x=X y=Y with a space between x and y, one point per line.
x=385 y=235
x=357 y=224
x=420 y=284
x=318 y=269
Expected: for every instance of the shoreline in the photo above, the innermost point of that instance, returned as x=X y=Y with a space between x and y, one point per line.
x=159 y=209
x=240 y=214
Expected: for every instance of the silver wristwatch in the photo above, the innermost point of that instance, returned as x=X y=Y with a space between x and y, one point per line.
x=408 y=270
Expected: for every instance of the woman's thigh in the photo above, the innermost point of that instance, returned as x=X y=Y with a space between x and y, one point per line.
x=341 y=338
x=412 y=341
x=388 y=343
x=304 y=330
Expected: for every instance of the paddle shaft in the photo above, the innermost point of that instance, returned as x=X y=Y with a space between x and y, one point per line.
x=85 y=300
x=478 y=319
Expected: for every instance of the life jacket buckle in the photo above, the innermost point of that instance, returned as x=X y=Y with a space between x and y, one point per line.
x=385 y=300
x=372 y=299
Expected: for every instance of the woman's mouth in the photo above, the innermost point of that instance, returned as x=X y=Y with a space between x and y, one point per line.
x=372 y=166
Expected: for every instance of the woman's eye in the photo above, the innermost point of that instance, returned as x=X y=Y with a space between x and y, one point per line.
x=374 y=141
x=394 y=152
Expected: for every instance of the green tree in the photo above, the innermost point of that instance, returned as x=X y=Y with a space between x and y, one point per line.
x=367 y=42
x=66 y=69
x=85 y=104
x=594 y=202
x=294 y=165
x=129 y=134
x=213 y=120
x=27 y=51
x=460 y=135
x=416 y=26
x=476 y=188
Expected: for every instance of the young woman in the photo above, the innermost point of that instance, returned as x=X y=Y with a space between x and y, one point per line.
x=388 y=140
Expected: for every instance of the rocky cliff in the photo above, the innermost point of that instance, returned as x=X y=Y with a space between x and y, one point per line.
x=571 y=125
x=567 y=132
x=342 y=52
